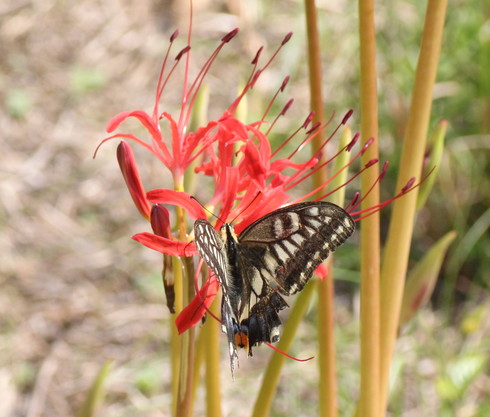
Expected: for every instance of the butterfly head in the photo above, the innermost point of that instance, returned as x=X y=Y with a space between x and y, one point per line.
x=228 y=233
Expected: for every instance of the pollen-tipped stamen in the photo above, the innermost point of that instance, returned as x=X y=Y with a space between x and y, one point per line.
x=353 y=202
x=408 y=187
x=305 y=124
x=271 y=102
x=294 y=181
x=367 y=166
x=378 y=180
x=312 y=133
x=322 y=165
x=190 y=94
x=256 y=72
x=160 y=88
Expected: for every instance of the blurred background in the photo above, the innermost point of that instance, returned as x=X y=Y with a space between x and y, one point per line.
x=76 y=291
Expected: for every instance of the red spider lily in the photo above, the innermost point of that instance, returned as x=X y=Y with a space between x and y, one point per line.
x=270 y=197
x=250 y=179
x=182 y=148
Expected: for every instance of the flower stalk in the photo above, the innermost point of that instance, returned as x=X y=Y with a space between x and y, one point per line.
x=370 y=239
x=394 y=267
x=211 y=336
x=327 y=382
x=270 y=379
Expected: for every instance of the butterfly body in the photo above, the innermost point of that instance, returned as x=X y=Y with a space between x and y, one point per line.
x=276 y=255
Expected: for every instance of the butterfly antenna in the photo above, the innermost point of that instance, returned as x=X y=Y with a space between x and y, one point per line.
x=207 y=210
x=247 y=207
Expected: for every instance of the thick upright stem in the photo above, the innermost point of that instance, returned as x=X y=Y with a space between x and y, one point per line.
x=370 y=242
x=187 y=348
x=271 y=375
x=327 y=381
x=395 y=260
x=211 y=333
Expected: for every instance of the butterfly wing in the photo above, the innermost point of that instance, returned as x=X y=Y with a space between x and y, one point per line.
x=295 y=240
x=279 y=253
x=212 y=249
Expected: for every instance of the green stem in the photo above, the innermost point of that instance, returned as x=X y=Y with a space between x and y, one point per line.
x=315 y=77
x=211 y=333
x=198 y=361
x=395 y=259
x=175 y=340
x=270 y=378
x=326 y=348
x=370 y=240
x=327 y=384
x=187 y=350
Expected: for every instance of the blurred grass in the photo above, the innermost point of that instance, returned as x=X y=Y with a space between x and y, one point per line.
x=76 y=291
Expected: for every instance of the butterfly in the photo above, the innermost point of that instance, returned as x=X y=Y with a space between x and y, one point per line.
x=276 y=255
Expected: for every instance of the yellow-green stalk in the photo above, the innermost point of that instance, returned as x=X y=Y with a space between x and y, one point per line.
x=175 y=340
x=187 y=347
x=271 y=375
x=370 y=244
x=326 y=348
x=198 y=362
x=211 y=333
x=397 y=249
x=327 y=385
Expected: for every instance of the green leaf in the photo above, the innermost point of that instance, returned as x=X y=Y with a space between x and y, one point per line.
x=422 y=279
x=95 y=394
x=435 y=149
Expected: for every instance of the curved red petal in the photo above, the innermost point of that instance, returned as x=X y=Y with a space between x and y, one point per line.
x=228 y=194
x=142 y=116
x=129 y=169
x=177 y=198
x=166 y=246
x=281 y=164
x=199 y=305
x=152 y=127
x=254 y=164
x=177 y=141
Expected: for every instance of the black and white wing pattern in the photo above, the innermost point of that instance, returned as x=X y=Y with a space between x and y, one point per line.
x=212 y=249
x=277 y=254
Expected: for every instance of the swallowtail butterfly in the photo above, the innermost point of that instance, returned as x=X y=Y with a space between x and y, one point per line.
x=277 y=254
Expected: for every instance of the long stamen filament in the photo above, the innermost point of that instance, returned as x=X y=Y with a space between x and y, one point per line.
x=160 y=88
x=288 y=355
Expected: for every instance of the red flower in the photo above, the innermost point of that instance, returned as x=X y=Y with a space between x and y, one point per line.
x=250 y=180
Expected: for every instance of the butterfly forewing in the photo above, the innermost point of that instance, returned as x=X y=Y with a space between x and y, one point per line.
x=212 y=249
x=295 y=240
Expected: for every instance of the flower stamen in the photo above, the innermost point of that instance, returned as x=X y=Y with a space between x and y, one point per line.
x=288 y=355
